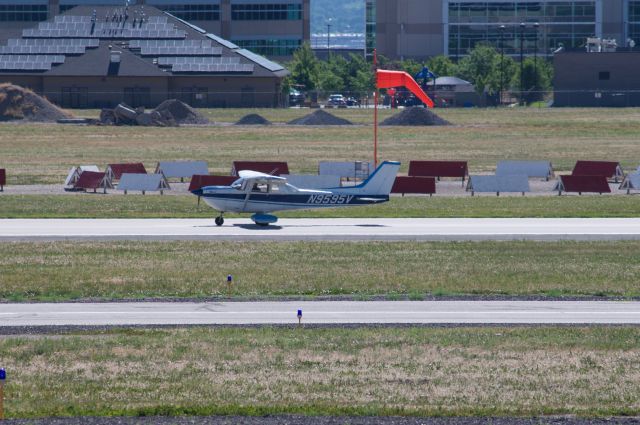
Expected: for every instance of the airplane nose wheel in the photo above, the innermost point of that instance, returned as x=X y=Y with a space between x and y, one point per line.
x=219 y=221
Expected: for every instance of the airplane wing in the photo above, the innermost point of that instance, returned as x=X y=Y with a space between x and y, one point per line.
x=255 y=175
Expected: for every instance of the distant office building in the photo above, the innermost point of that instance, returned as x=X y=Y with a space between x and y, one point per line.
x=596 y=79
x=268 y=27
x=425 y=28
x=99 y=56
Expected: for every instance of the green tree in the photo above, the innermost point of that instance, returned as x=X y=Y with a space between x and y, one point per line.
x=330 y=82
x=363 y=83
x=479 y=68
x=410 y=66
x=305 y=67
x=502 y=79
x=537 y=78
x=442 y=66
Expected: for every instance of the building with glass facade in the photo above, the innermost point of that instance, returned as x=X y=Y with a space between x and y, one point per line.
x=424 y=28
x=268 y=27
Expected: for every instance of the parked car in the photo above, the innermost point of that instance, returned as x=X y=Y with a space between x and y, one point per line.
x=352 y=101
x=296 y=98
x=336 y=101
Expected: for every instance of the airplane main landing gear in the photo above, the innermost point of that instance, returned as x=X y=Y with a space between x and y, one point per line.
x=219 y=220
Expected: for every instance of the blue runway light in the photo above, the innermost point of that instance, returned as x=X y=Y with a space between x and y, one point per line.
x=299 y=313
x=3 y=375
x=229 y=278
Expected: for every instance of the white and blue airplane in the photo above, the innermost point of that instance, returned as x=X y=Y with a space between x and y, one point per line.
x=261 y=194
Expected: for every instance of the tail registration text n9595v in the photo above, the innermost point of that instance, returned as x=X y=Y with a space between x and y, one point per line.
x=262 y=194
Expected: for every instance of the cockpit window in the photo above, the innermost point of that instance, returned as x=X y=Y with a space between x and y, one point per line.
x=260 y=187
x=238 y=184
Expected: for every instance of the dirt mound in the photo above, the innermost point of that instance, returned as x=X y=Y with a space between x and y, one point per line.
x=415 y=116
x=320 y=117
x=253 y=119
x=18 y=103
x=181 y=112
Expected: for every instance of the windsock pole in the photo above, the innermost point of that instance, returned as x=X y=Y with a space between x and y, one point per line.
x=375 y=109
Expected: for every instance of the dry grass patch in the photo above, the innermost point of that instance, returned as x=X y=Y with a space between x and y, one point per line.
x=43 y=153
x=113 y=270
x=477 y=371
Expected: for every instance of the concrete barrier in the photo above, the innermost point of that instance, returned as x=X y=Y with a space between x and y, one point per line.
x=580 y=184
x=609 y=169
x=498 y=184
x=631 y=182
x=143 y=183
x=182 y=169
x=542 y=169
x=414 y=185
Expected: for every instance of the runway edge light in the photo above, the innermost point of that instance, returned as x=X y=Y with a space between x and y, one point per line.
x=3 y=377
x=229 y=282
x=299 y=317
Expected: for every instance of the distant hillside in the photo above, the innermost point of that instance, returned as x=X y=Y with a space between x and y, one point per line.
x=346 y=15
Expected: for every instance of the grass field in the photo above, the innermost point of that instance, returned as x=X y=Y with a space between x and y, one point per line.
x=139 y=206
x=40 y=153
x=114 y=270
x=384 y=371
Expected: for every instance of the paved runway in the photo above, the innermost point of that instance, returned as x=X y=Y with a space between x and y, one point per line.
x=424 y=229
x=321 y=312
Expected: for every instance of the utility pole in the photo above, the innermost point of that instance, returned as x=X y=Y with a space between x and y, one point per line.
x=501 y=28
x=535 y=58
x=329 y=40
x=522 y=27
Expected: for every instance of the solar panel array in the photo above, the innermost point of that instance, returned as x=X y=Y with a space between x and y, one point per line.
x=222 y=41
x=213 y=68
x=138 y=44
x=178 y=60
x=70 y=19
x=85 y=42
x=182 y=51
x=29 y=62
x=112 y=30
x=33 y=58
x=66 y=50
x=154 y=36
x=260 y=60
x=25 y=66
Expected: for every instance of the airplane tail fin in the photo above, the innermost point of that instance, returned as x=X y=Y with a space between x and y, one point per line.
x=381 y=180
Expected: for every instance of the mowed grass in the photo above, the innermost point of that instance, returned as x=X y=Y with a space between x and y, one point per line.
x=139 y=206
x=383 y=371
x=43 y=153
x=133 y=270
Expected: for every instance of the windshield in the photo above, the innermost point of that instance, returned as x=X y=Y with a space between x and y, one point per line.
x=238 y=184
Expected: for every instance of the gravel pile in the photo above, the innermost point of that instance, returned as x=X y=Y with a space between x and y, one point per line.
x=253 y=119
x=320 y=117
x=181 y=112
x=18 y=103
x=415 y=116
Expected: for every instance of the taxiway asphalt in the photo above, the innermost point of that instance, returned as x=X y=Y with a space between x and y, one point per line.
x=331 y=229
x=320 y=312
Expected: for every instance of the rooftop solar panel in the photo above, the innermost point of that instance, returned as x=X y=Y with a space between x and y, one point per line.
x=222 y=41
x=212 y=68
x=32 y=58
x=169 y=43
x=260 y=60
x=181 y=51
x=43 y=49
x=168 y=61
x=24 y=66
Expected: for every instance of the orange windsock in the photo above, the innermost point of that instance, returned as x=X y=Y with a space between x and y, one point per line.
x=386 y=79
